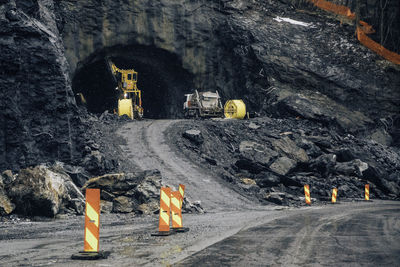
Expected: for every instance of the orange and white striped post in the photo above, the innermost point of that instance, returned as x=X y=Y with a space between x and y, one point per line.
x=367 y=192
x=181 y=191
x=165 y=203
x=307 y=194
x=92 y=220
x=334 y=195
x=176 y=210
x=92 y=228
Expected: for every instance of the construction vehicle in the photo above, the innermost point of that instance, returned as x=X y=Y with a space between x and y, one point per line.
x=130 y=97
x=202 y=105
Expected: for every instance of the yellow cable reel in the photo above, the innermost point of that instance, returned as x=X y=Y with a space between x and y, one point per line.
x=235 y=109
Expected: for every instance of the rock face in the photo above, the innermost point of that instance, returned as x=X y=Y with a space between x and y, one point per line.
x=222 y=43
x=37 y=103
x=44 y=191
x=318 y=107
x=240 y=48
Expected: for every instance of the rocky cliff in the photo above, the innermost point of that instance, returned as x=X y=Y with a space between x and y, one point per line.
x=37 y=103
x=271 y=54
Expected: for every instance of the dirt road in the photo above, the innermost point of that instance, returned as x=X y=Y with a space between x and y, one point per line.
x=147 y=148
x=234 y=231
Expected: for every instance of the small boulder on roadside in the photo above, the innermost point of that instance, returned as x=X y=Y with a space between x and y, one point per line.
x=275 y=197
x=254 y=126
x=194 y=136
x=123 y=204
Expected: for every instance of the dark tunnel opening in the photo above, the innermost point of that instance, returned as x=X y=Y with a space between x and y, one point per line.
x=161 y=78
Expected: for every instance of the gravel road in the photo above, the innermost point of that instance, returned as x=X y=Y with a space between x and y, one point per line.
x=148 y=149
x=234 y=231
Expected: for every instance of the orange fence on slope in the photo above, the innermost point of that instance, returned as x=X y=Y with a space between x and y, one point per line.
x=362 y=30
x=338 y=9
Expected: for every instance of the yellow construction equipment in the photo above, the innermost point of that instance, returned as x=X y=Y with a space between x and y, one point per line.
x=235 y=109
x=130 y=97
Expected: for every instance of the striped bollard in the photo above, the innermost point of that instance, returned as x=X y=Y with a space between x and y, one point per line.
x=165 y=203
x=176 y=210
x=181 y=191
x=334 y=195
x=307 y=194
x=92 y=228
x=367 y=192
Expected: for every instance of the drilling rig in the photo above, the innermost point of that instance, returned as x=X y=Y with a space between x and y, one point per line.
x=130 y=97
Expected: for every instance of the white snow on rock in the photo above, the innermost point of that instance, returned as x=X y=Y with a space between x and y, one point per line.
x=292 y=21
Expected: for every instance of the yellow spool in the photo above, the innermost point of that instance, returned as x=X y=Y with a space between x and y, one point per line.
x=235 y=109
x=125 y=107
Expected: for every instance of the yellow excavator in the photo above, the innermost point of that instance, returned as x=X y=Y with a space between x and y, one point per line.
x=130 y=97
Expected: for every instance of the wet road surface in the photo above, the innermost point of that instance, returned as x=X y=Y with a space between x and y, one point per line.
x=354 y=234
x=234 y=232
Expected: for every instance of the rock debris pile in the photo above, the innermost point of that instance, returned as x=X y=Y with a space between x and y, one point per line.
x=272 y=158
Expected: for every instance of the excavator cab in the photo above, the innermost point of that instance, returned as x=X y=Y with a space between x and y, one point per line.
x=130 y=98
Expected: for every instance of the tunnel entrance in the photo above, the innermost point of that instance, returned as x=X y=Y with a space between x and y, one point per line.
x=161 y=78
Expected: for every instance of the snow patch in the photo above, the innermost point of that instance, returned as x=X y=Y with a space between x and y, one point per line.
x=292 y=21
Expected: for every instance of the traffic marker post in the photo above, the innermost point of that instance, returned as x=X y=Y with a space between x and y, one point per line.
x=165 y=203
x=334 y=195
x=176 y=210
x=181 y=191
x=92 y=228
x=367 y=192
x=307 y=194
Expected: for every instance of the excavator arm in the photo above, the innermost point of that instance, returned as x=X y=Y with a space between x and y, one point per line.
x=130 y=99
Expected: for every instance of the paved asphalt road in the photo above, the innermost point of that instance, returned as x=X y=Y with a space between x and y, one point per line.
x=352 y=234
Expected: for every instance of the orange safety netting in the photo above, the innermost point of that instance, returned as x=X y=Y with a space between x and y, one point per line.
x=338 y=9
x=377 y=48
x=362 y=30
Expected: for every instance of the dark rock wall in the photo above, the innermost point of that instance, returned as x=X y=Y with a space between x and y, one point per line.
x=36 y=97
x=239 y=48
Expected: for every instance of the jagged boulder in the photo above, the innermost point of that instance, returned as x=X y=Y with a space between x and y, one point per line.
x=283 y=165
x=45 y=191
x=352 y=168
x=129 y=192
x=194 y=136
x=254 y=157
x=287 y=147
x=6 y=206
